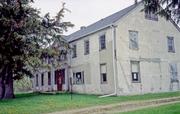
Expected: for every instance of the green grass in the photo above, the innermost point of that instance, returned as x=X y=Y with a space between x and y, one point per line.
x=166 y=109
x=35 y=103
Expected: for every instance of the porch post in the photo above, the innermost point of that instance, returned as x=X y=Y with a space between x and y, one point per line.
x=52 y=78
x=39 y=81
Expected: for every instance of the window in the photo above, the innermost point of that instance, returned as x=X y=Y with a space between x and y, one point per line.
x=103 y=73
x=55 y=77
x=37 y=80
x=102 y=42
x=86 y=47
x=151 y=16
x=78 y=78
x=49 y=78
x=74 y=53
x=133 y=40
x=135 y=71
x=171 y=47
x=42 y=79
x=173 y=72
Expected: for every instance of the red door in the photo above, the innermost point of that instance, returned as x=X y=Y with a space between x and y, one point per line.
x=60 y=77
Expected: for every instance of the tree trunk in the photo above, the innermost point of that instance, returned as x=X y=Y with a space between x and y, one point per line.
x=6 y=84
x=9 y=90
x=1 y=88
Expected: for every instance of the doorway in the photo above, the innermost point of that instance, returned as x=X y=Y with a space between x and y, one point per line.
x=60 y=79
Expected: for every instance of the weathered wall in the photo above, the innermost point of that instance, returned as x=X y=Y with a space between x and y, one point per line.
x=153 y=53
x=90 y=64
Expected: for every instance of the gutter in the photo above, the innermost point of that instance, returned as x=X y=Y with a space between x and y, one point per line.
x=114 y=62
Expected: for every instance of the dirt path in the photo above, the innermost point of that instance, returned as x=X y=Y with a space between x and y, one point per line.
x=122 y=107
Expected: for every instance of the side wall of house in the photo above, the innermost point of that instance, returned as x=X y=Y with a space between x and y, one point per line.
x=152 y=54
x=90 y=64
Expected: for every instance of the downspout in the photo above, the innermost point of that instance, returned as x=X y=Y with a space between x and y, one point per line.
x=114 y=62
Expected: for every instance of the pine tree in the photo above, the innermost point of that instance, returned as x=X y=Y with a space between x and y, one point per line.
x=25 y=38
x=167 y=8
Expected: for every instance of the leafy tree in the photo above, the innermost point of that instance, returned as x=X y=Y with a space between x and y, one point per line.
x=25 y=38
x=168 y=8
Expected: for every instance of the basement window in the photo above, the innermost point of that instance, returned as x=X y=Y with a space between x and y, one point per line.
x=135 y=71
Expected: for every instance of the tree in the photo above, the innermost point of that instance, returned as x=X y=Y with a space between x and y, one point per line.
x=24 y=39
x=167 y=8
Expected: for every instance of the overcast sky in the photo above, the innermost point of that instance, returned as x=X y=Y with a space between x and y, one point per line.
x=83 y=12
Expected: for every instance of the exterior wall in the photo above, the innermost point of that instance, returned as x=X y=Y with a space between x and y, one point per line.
x=90 y=64
x=153 y=53
x=53 y=86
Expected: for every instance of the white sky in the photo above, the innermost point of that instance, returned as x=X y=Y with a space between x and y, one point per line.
x=83 y=12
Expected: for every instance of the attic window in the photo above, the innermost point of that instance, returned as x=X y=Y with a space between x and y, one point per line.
x=151 y=16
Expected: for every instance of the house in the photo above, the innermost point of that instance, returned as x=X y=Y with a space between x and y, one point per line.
x=129 y=52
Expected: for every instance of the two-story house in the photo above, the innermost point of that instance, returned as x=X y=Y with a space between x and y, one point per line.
x=129 y=52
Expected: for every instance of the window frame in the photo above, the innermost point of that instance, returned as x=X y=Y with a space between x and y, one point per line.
x=86 y=47
x=77 y=81
x=74 y=51
x=37 y=80
x=173 y=44
x=42 y=79
x=102 y=74
x=139 y=73
x=101 y=46
x=173 y=78
x=137 y=40
x=49 y=78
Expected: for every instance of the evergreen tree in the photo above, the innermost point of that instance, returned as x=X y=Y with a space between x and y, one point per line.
x=168 y=8
x=25 y=38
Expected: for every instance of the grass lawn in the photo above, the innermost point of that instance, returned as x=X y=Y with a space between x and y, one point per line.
x=35 y=103
x=166 y=109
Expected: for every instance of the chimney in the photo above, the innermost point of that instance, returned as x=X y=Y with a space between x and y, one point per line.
x=135 y=1
x=83 y=27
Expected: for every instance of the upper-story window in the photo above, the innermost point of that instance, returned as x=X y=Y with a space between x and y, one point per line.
x=135 y=71
x=171 y=47
x=74 y=51
x=151 y=16
x=86 y=47
x=133 y=40
x=102 y=42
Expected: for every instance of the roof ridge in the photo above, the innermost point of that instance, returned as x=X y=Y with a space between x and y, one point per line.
x=104 y=22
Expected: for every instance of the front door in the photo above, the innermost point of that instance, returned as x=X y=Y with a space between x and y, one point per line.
x=60 y=74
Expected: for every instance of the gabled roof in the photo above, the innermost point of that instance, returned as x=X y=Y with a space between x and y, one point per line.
x=103 y=23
